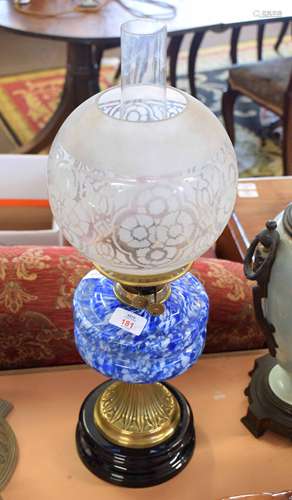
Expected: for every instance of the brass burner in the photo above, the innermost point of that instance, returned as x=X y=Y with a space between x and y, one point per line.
x=137 y=415
x=150 y=298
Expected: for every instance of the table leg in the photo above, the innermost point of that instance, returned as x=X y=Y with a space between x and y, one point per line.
x=194 y=48
x=284 y=29
x=172 y=52
x=235 y=33
x=83 y=63
x=260 y=40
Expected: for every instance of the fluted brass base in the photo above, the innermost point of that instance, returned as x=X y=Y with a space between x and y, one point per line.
x=137 y=415
x=134 y=467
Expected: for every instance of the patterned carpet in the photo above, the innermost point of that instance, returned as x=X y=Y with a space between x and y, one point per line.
x=28 y=100
x=258 y=150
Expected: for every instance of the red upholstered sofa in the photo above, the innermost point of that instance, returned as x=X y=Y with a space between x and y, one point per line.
x=36 y=288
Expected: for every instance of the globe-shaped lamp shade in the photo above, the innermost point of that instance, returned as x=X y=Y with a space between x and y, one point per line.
x=141 y=197
x=142 y=179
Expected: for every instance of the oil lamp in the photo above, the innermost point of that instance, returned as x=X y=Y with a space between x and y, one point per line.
x=142 y=180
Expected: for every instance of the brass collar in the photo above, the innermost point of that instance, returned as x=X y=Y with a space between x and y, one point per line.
x=147 y=279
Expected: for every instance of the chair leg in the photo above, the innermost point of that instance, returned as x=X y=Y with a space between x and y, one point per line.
x=287 y=136
x=194 y=48
x=260 y=39
x=233 y=43
x=284 y=29
x=172 y=52
x=228 y=101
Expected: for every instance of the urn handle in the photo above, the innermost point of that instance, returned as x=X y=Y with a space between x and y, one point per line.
x=258 y=264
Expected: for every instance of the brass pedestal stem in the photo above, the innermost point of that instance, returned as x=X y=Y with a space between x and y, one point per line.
x=137 y=415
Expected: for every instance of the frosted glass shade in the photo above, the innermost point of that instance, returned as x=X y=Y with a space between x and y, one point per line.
x=142 y=197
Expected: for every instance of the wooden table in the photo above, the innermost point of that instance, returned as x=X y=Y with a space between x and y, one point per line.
x=88 y=34
x=258 y=200
x=228 y=460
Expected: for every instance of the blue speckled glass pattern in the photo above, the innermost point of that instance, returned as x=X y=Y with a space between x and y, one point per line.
x=168 y=345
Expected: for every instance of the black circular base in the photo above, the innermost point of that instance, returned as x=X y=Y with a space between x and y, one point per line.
x=133 y=467
x=266 y=411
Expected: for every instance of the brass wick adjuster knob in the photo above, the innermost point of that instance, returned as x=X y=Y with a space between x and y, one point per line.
x=150 y=298
x=156 y=309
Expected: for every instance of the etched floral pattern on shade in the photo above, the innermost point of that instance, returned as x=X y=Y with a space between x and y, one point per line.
x=146 y=111
x=143 y=224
